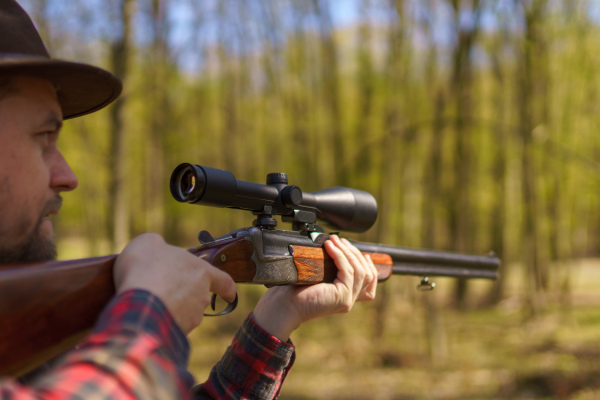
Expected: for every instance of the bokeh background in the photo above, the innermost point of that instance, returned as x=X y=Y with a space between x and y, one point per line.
x=473 y=122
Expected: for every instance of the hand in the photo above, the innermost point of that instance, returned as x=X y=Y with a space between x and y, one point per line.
x=181 y=280
x=282 y=309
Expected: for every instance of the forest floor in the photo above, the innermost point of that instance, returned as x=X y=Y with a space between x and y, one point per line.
x=500 y=352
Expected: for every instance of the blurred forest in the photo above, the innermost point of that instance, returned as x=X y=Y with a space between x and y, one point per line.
x=473 y=122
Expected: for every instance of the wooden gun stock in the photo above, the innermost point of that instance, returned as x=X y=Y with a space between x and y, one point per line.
x=47 y=308
x=311 y=265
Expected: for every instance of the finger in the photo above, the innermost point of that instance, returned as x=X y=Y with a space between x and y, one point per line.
x=338 y=256
x=360 y=256
x=222 y=284
x=345 y=274
x=371 y=288
x=342 y=295
x=358 y=271
x=365 y=265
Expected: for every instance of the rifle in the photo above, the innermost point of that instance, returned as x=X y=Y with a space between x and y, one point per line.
x=59 y=302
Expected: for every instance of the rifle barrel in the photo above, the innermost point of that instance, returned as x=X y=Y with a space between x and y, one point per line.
x=435 y=263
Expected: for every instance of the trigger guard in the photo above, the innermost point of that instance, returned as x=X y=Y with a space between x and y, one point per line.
x=230 y=307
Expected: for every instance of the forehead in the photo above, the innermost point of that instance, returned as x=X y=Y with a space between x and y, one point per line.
x=27 y=99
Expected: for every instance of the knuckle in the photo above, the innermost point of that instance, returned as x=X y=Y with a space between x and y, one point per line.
x=360 y=274
x=336 y=252
x=204 y=300
x=346 y=307
x=370 y=275
x=151 y=237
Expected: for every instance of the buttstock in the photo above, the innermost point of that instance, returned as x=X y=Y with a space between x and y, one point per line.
x=47 y=308
x=315 y=265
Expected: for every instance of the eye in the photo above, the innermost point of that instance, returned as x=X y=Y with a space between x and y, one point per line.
x=46 y=139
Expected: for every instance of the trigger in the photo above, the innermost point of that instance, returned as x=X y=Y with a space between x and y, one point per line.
x=213 y=302
x=230 y=307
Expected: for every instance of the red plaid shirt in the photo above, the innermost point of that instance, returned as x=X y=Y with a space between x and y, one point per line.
x=138 y=351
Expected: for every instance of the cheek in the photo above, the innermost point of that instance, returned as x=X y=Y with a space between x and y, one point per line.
x=24 y=184
x=13 y=222
x=25 y=172
x=21 y=202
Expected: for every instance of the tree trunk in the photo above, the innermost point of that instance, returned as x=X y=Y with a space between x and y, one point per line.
x=432 y=194
x=159 y=116
x=331 y=89
x=499 y=172
x=366 y=89
x=461 y=216
x=120 y=58
x=529 y=116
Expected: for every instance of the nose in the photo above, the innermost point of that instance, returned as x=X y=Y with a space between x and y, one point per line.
x=62 y=177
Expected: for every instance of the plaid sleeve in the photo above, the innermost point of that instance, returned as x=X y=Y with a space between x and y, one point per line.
x=135 y=351
x=253 y=367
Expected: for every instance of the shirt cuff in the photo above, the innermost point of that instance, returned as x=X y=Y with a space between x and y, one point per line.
x=254 y=329
x=138 y=310
x=254 y=366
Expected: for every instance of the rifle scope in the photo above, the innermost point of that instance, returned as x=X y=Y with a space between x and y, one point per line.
x=342 y=208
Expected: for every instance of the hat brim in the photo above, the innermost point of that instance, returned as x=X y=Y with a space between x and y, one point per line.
x=81 y=88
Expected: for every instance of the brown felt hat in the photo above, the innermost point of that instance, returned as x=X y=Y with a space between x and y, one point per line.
x=81 y=88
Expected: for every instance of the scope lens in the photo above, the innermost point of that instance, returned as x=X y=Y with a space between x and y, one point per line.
x=187 y=183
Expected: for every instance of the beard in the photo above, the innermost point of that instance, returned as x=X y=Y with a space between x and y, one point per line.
x=35 y=248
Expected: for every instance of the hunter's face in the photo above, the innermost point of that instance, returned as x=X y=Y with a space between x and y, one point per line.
x=32 y=170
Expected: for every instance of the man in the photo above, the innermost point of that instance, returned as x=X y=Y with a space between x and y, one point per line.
x=138 y=348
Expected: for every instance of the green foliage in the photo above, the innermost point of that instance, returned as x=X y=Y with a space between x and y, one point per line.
x=482 y=140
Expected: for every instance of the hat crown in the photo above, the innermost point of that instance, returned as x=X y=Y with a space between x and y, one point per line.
x=81 y=88
x=17 y=32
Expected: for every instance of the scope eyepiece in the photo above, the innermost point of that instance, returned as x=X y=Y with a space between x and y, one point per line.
x=187 y=183
x=207 y=186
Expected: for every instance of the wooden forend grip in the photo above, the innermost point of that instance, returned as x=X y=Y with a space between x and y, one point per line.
x=314 y=265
